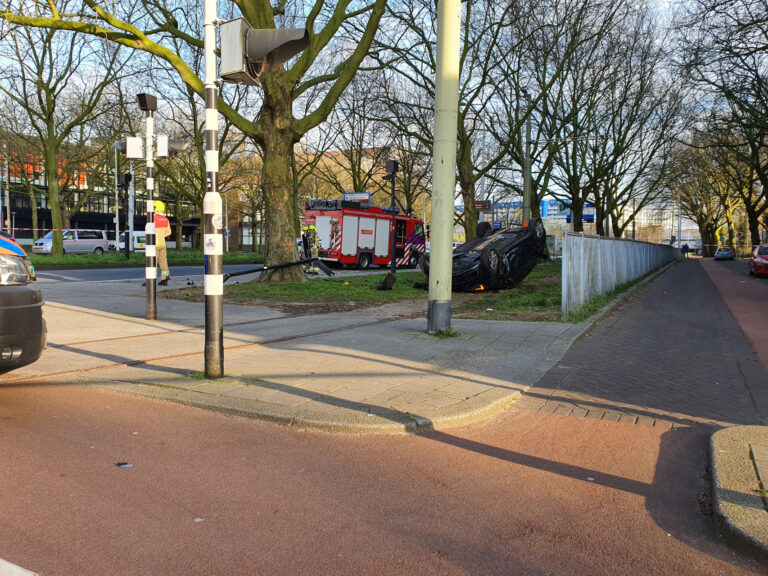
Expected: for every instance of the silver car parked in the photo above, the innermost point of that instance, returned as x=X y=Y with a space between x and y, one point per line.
x=75 y=242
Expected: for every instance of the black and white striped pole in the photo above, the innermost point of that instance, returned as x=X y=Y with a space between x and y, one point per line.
x=213 y=244
x=148 y=104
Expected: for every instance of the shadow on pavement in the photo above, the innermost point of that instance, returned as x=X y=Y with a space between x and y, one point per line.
x=676 y=499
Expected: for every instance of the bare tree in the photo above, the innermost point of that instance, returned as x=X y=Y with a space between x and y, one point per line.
x=54 y=80
x=697 y=183
x=148 y=24
x=724 y=50
x=361 y=143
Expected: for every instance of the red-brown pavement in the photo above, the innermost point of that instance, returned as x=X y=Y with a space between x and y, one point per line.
x=530 y=492
x=209 y=494
x=747 y=298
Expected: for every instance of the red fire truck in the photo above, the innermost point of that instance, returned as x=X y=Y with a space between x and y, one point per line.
x=357 y=234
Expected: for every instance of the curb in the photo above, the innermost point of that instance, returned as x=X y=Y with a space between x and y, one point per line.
x=379 y=419
x=739 y=510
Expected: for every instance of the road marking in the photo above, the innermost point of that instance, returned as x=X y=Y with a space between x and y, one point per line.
x=8 y=569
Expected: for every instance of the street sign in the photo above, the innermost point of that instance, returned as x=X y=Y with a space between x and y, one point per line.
x=483 y=205
x=358 y=197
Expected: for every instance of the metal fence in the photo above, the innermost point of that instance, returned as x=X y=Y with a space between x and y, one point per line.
x=594 y=265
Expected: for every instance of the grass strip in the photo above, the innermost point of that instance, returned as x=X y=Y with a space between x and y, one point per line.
x=137 y=259
x=351 y=291
x=598 y=302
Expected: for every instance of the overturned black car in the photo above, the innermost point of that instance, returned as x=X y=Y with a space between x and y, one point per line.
x=499 y=259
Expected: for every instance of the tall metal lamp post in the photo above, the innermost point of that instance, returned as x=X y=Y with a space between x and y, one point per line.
x=392 y=169
x=527 y=160
x=444 y=164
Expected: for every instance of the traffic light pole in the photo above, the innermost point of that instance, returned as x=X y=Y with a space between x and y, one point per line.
x=131 y=211
x=212 y=230
x=392 y=168
x=150 y=245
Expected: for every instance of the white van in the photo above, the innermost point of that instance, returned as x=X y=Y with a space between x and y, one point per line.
x=75 y=242
x=139 y=239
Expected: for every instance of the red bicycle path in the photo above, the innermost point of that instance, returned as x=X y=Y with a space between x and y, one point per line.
x=747 y=298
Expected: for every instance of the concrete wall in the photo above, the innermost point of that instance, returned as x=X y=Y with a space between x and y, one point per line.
x=594 y=265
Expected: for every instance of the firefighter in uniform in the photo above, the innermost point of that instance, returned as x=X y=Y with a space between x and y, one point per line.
x=313 y=249
x=305 y=246
x=162 y=231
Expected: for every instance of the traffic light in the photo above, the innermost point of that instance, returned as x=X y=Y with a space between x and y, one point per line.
x=391 y=167
x=170 y=146
x=247 y=52
x=132 y=147
x=147 y=102
x=125 y=181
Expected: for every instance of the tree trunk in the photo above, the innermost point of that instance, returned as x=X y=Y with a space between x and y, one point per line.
x=466 y=178
x=708 y=238
x=178 y=236
x=731 y=232
x=470 y=212
x=51 y=174
x=277 y=182
x=600 y=218
x=577 y=214
x=618 y=231
x=33 y=206
x=753 y=222
x=535 y=206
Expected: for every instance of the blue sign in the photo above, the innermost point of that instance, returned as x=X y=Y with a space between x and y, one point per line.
x=497 y=224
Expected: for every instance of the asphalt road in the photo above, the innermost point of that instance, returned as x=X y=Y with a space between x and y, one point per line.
x=530 y=493
x=122 y=274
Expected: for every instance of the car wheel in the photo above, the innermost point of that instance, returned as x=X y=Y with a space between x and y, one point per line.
x=363 y=261
x=413 y=261
x=98 y=250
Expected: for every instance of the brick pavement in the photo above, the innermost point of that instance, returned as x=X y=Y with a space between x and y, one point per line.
x=671 y=355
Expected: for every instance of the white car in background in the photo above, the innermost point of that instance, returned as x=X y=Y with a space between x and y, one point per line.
x=454 y=245
x=75 y=242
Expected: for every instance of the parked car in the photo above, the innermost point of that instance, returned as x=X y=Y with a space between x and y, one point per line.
x=139 y=241
x=724 y=253
x=75 y=242
x=22 y=327
x=758 y=261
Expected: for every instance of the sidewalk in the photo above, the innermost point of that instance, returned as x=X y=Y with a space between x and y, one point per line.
x=373 y=370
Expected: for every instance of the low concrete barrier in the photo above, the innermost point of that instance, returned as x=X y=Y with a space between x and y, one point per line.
x=594 y=265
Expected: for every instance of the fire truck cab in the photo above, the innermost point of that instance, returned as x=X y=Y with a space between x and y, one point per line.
x=357 y=234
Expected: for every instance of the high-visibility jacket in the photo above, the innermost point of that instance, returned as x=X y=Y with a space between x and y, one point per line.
x=162 y=229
